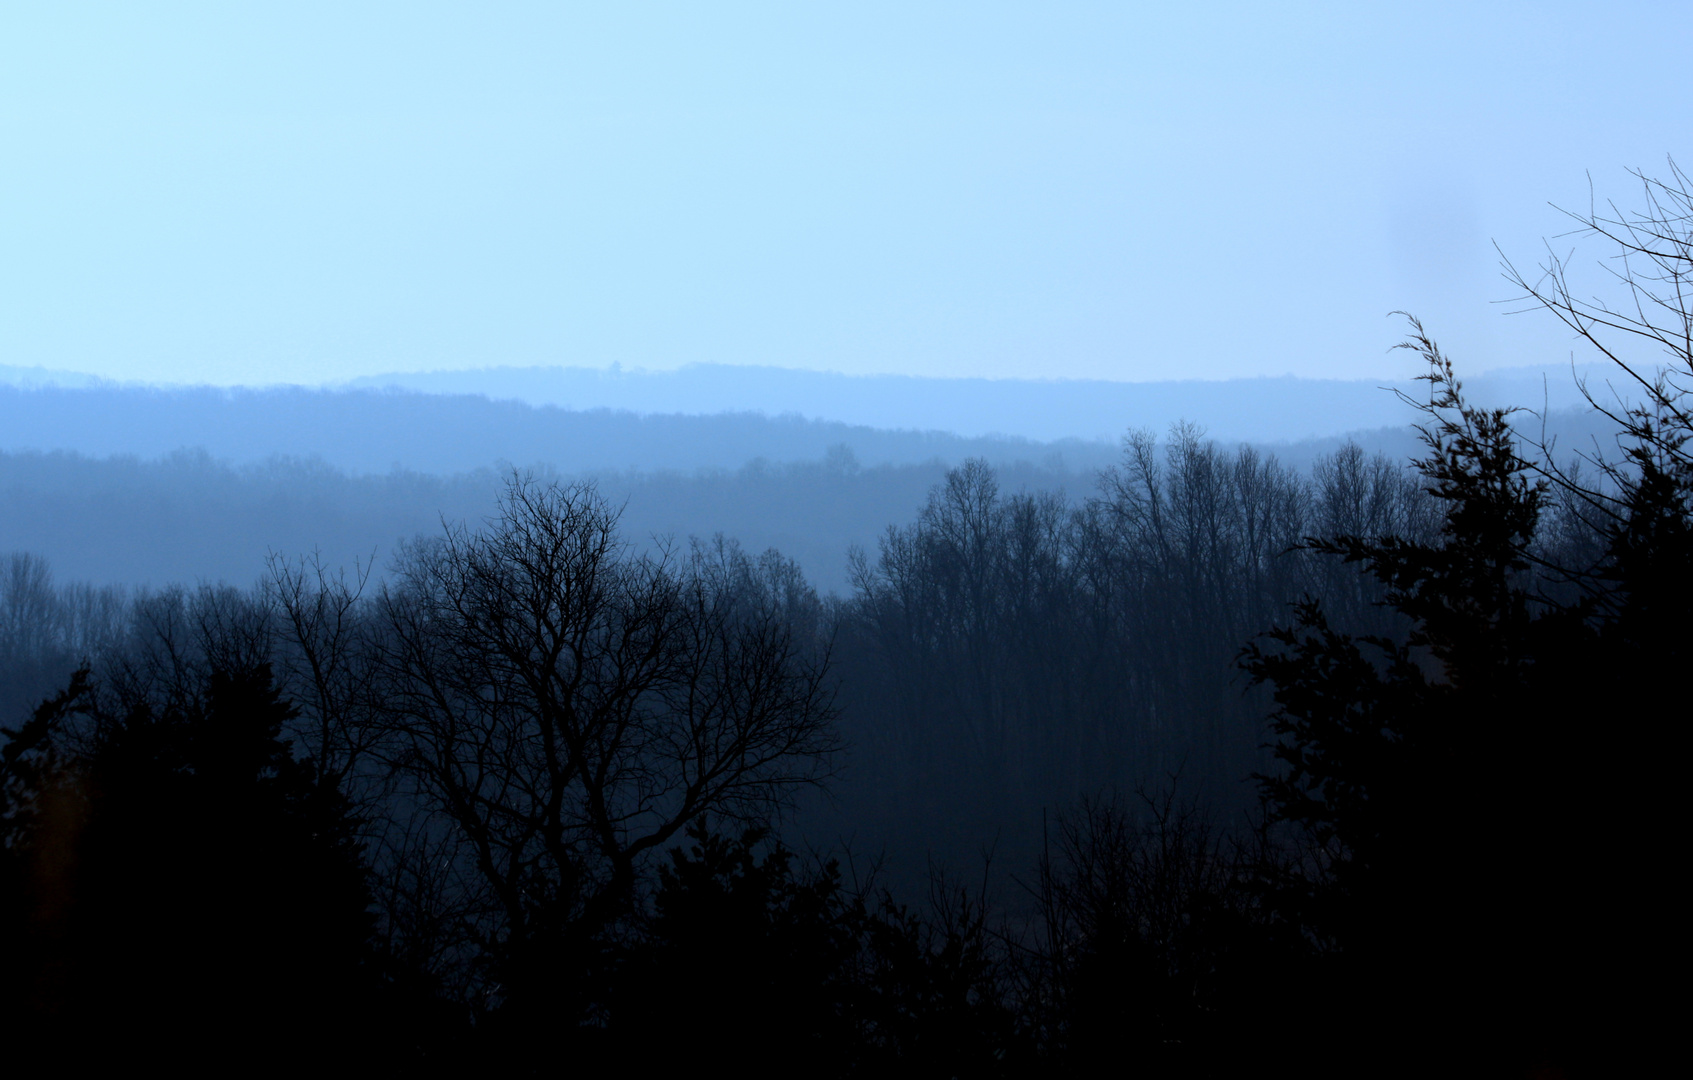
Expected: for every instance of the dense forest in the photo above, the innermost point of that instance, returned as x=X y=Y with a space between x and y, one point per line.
x=187 y=515
x=1219 y=766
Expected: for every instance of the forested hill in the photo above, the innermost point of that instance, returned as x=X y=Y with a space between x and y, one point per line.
x=1259 y=410
x=581 y=419
x=187 y=517
x=377 y=431
x=123 y=484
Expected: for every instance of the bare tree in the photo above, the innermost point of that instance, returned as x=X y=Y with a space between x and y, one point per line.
x=566 y=706
x=1635 y=514
x=1147 y=919
x=323 y=658
x=1650 y=255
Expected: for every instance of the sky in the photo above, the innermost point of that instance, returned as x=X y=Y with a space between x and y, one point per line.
x=257 y=193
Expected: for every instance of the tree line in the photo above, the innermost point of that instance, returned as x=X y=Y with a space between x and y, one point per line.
x=1009 y=652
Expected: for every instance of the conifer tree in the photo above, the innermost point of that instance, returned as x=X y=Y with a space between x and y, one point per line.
x=1459 y=884
x=177 y=882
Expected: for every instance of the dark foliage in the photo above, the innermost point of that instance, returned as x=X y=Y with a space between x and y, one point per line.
x=825 y=974
x=177 y=882
x=1463 y=884
x=1009 y=652
x=1155 y=946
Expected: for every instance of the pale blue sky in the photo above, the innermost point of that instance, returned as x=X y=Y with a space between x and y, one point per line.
x=305 y=192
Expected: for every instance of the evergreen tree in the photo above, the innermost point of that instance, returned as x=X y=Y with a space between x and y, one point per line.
x=178 y=883
x=1451 y=786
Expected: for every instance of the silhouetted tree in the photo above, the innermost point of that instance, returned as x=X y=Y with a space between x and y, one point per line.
x=561 y=708
x=1448 y=783
x=1633 y=505
x=178 y=883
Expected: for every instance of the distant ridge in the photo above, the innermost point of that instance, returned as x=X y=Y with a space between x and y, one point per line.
x=1269 y=409
x=367 y=431
x=139 y=484
x=32 y=377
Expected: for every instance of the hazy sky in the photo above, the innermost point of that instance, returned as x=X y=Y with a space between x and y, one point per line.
x=302 y=192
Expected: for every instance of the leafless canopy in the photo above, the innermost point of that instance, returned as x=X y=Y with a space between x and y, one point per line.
x=569 y=706
x=1649 y=253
